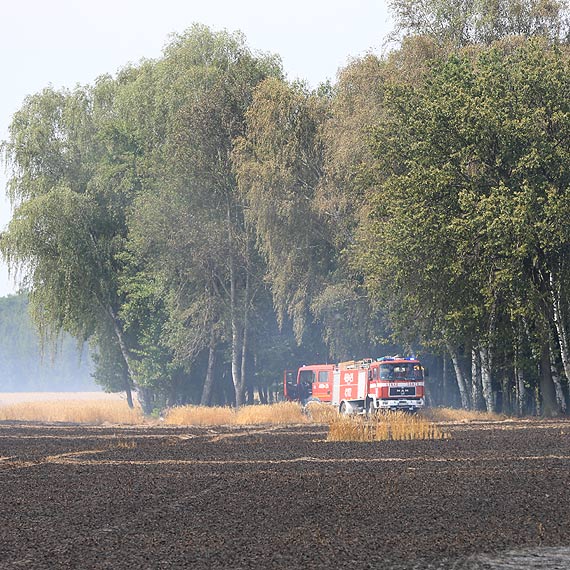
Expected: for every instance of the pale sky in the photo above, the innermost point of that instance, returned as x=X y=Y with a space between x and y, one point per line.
x=66 y=42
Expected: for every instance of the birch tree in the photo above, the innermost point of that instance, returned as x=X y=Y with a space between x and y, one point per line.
x=69 y=220
x=189 y=221
x=462 y=22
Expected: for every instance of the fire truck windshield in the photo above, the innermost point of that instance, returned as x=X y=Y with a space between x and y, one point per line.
x=401 y=371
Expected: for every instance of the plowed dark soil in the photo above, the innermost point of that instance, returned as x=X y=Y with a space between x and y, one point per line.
x=493 y=496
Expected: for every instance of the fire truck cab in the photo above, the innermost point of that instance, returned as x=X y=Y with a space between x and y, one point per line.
x=313 y=382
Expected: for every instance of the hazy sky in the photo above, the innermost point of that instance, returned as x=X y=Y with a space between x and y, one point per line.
x=65 y=42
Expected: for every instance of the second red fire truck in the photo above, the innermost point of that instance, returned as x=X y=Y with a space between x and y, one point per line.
x=387 y=383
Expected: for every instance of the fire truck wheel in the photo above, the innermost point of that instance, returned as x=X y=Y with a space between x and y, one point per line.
x=309 y=404
x=343 y=410
x=312 y=401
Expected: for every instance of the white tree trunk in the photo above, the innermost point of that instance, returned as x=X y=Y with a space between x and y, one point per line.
x=518 y=368
x=521 y=391
x=209 y=381
x=549 y=404
x=486 y=379
x=127 y=378
x=560 y=326
x=444 y=380
x=245 y=336
x=476 y=385
x=461 y=381
x=237 y=346
x=557 y=384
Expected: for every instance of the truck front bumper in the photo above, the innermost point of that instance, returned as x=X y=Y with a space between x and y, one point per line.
x=404 y=404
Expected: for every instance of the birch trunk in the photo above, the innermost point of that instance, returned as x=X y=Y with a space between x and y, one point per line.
x=560 y=326
x=209 y=381
x=127 y=387
x=557 y=384
x=236 y=372
x=486 y=379
x=521 y=391
x=128 y=377
x=461 y=381
x=476 y=385
x=245 y=335
x=520 y=387
x=549 y=407
x=237 y=343
x=236 y=348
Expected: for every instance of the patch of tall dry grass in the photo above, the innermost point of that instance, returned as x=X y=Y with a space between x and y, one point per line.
x=320 y=413
x=396 y=426
x=274 y=414
x=455 y=415
x=199 y=416
x=73 y=411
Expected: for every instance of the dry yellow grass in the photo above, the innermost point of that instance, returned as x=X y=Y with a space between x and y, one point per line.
x=383 y=426
x=350 y=428
x=455 y=415
x=199 y=416
x=282 y=413
x=74 y=411
x=100 y=408
x=321 y=413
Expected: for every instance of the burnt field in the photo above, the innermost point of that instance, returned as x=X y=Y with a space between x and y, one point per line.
x=495 y=495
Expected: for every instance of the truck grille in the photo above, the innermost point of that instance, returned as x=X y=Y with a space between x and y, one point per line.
x=399 y=391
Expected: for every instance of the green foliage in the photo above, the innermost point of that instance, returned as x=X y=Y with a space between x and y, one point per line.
x=205 y=223
x=462 y=22
x=464 y=235
x=279 y=164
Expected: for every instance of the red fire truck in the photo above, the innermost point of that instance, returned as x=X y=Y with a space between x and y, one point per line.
x=387 y=383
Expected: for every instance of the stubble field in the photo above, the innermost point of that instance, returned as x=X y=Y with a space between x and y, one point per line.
x=494 y=495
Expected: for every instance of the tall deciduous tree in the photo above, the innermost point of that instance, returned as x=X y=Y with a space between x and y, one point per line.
x=279 y=164
x=69 y=222
x=189 y=222
x=463 y=22
x=465 y=219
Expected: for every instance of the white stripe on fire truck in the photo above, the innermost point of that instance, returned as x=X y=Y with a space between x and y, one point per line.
x=396 y=384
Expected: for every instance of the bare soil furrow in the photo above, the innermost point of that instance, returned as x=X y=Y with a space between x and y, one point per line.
x=240 y=498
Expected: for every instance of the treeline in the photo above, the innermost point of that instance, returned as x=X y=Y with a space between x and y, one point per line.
x=27 y=366
x=206 y=223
